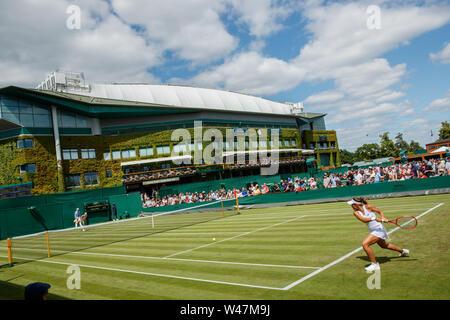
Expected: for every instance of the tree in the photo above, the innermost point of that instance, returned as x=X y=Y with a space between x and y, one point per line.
x=347 y=156
x=368 y=151
x=387 y=146
x=444 y=132
x=414 y=146
x=400 y=143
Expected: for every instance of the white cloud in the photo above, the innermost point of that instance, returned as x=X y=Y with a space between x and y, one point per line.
x=441 y=105
x=442 y=56
x=35 y=40
x=324 y=97
x=262 y=17
x=193 y=30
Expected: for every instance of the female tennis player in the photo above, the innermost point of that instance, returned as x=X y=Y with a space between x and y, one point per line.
x=365 y=212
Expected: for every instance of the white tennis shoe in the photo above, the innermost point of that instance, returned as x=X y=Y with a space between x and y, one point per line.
x=405 y=253
x=372 y=267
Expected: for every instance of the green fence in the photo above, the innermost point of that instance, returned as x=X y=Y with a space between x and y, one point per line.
x=56 y=211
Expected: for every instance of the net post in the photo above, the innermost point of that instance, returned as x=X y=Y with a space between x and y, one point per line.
x=237 y=205
x=223 y=213
x=9 y=244
x=153 y=222
x=48 y=245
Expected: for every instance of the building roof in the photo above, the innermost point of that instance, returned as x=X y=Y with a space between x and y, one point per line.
x=186 y=97
x=310 y=115
x=438 y=141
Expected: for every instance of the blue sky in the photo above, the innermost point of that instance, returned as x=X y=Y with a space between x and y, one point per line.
x=322 y=53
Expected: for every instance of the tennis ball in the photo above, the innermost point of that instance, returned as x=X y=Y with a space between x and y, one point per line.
x=214 y=239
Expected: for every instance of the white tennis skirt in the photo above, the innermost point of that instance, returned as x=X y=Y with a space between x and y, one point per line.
x=380 y=233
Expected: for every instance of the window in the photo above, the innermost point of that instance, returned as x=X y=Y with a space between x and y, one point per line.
x=90 y=178
x=162 y=149
x=147 y=151
x=88 y=154
x=129 y=153
x=29 y=167
x=107 y=155
x=293 y=142
x=263 y=144
x=287 y=143
x=179 y=148
x=108 y=173
x=116 y=154
x=73 y=180
x=25 y=143
x=71 y=120
x=70 y=154
x=255 y=144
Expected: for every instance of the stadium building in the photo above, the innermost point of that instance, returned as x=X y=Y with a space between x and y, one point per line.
x=67 y=135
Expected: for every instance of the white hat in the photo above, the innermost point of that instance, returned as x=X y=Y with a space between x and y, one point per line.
x=354 y=202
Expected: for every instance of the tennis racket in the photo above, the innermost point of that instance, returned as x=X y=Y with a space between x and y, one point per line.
x=404 y=222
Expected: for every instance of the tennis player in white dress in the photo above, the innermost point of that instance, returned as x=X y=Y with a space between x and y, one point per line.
x=365 y=212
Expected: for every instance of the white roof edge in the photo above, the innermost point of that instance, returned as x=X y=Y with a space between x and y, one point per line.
x=187 y=97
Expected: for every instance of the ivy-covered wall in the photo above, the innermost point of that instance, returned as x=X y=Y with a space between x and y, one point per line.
x=45 y=179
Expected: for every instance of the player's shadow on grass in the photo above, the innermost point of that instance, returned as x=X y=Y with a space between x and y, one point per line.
x=382 y=260
x=11 y=291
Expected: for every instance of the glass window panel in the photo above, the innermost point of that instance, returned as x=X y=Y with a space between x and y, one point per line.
x=28 y=143
x=66 y=154
x=26 y=120
x=31 y=167
x=74 y=154
x=81 y=121
x=107 y=155
x=73 y=180
x=90 y=178
x=13 y=117
x=40 y=110
x=287 y=143
x=263 y=144
x=41 y=121
x=92 y=154
x=9 y=105
x=20 y=144
x=116 y=154
x=67 y=120
x=25 y=107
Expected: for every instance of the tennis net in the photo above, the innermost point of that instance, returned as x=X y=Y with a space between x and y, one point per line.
x=56 y=242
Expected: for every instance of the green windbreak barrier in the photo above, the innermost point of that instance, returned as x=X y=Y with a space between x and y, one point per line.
x=54 y=212
x=393 y=187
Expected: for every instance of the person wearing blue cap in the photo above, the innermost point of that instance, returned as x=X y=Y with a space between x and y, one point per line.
x=37 y=291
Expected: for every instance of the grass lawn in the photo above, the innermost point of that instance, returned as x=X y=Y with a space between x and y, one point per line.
x=283 y=253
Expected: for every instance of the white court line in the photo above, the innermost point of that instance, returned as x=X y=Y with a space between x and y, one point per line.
x=312 y=274
x=253 y=231
x=152 y=274
x=172 y=259
x=237 y=236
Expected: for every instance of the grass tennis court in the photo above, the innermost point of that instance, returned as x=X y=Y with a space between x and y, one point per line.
x=291 y=252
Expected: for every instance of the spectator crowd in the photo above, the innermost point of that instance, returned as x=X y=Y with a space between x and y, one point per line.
x=376 y=174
